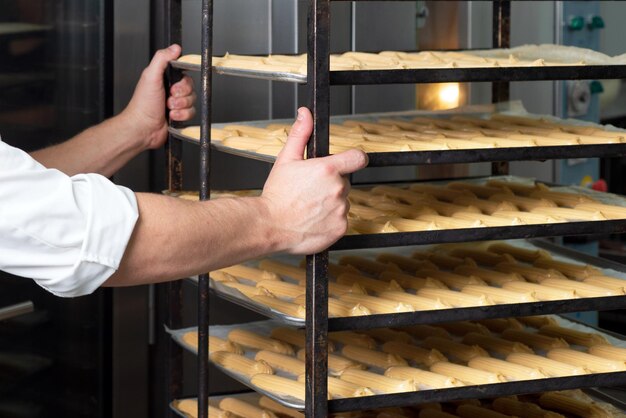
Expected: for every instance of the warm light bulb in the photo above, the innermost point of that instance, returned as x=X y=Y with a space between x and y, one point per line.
x=449 y=95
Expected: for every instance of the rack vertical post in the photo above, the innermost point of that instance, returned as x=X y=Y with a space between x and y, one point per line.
x=171 y=292
x=205 y=194
x=501 y=38
x=318 y=44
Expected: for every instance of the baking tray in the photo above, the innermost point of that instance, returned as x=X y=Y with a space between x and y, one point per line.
x=597 y=394
x=445 y=315
x=597 y=70
x=425 y=395
x=383 y=159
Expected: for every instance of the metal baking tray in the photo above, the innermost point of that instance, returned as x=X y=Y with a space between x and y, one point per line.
x=383 y=159
x=446 y=315
x=425 y=395
x=433 y=75
x=598 y=395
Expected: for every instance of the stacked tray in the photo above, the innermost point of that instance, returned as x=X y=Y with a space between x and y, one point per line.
x=531 y=62
x=550 y=405
x=387 y=367
x=503 y=207
x=423 y=137
x=370 y=288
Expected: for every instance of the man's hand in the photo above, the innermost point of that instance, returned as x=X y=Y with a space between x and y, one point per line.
x=307 y=199
x=145 y=112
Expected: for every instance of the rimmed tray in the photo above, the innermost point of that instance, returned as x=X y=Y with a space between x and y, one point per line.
x=383 y=159
x=599 y=396
x=608 y=267
x=424 y=395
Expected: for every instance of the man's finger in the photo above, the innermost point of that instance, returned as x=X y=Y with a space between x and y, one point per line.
x=160 y=61
x=348 y=162
x=298 y=137
x=183 y=88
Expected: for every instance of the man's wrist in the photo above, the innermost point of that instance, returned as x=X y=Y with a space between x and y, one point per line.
x=137 y=136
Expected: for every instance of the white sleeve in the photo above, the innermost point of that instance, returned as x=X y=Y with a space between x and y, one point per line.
x=67 y=233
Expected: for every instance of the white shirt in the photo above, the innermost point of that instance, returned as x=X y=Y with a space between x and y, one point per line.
x=67 y=233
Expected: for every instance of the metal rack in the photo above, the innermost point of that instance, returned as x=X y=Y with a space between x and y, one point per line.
x=319 y=79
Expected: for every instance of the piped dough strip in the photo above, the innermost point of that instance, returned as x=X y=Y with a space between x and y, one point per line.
x=548 y=366
x=479 y=255
x=573 y=336
x=608 y=211
x=527 y=218
x=282 y=289
x=492 y=277
x=473 y=411
x=283 y=269
x=425 y=331
x=272 y=405
x=608 y=282
x=452 y=280
x=352 y=338
x=369 y=284
x=442 y=260
x=466 y=374
x=407 y=281
x=518 y=253
x=582 y=289
x=608 y=352
x=455 y=299
x=287 y=308
x=407 y=264
x=423 y=377
x=452 y=348
x=525 y=203
x=419 y=303
x=433 y=413
x=510 y=371
x=530 y=273
x=590 y=362
x=514 y=407
x=282 y=362
x=247 y=291
x=378 y=382
x=564 y=403
x=367 y=265
x=258 y=342
x=244 y=409
x=414 y=353
x=280 y=386
x=378 y=305
x=295 y=337
x=240 y=364
x=250 y=273
x=463 y=327
x=372 y=358
x=537 y=341
x=384 y=335
x=501 y=324
x=487 y=206
x=500 y=295
x=544 y=293
x=537 y=321
x=495 y=344
x=575 y=271
x=336 y=364
x=570 y=214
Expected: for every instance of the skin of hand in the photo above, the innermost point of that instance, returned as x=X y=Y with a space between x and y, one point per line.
x=310 y=197
x=146 y=106
x=302 y=210
x=107 y=147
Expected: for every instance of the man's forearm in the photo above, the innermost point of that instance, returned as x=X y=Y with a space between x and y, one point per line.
x=102 y=149
x=176 y=238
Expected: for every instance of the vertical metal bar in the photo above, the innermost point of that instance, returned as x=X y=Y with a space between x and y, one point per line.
x=501 y=39
x=205 y=194
x=318 y=38
x=173 y=290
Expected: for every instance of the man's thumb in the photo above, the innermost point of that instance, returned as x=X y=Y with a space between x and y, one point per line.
x=298 y=137
x=160 y=61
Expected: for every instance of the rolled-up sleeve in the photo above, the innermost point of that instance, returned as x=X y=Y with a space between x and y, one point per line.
x=69 y=234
